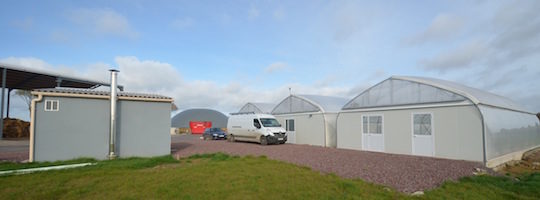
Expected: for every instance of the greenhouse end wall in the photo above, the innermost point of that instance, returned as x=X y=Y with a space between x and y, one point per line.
x=308 y=130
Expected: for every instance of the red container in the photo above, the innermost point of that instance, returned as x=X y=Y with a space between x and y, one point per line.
x=199 y=127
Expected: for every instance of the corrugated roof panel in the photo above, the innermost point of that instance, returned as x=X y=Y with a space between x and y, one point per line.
x=100 y=93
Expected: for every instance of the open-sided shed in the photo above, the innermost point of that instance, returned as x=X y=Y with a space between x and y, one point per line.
x=309 y=119
x=432 y=117
x=14 y=77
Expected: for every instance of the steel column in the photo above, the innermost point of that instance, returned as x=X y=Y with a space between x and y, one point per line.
x=8 y=100
x=4 y=71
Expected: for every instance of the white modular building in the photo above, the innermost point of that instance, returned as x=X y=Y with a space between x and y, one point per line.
x=437 y=118
x=309 y=119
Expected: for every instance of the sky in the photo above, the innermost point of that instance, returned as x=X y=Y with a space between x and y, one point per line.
x=222 y=54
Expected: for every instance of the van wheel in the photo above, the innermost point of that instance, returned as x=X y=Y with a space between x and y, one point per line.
x=264 y=141
x=230 y=138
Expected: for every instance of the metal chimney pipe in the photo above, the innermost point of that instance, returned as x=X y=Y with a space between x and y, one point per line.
x=114 y=97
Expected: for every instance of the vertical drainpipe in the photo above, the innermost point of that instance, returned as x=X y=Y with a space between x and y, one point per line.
x=112 y=133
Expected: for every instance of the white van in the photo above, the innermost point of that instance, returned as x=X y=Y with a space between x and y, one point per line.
x=261 y=128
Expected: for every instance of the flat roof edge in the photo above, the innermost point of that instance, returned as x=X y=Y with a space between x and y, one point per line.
x=99 y=96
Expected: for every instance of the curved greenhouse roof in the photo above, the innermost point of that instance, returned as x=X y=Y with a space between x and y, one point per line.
x=257 y=107
x=406 y=90
x=309 y=103
x=182 y=119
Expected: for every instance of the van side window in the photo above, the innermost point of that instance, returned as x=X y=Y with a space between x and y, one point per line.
x=256 y=123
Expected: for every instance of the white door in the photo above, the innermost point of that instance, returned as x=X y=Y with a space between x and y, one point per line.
x=291 y=131
x=422 y=133
x=372 y=133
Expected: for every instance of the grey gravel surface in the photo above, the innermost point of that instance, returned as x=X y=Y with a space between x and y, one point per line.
x=401 y=172
x=14 y=150
x=14 y=156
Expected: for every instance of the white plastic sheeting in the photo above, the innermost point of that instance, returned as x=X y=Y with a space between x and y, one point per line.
x=477 y=96
x=309 y=103
x=508 y=131
x=393 y=92
x=264 y=108
x=404 y=90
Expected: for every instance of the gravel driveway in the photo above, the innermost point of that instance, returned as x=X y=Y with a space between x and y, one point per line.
x=402 y=172
x=15 y=150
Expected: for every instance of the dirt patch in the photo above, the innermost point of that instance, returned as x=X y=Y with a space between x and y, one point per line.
x=529 y=164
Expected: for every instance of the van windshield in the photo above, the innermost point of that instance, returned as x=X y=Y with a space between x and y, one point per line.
x=270 y=122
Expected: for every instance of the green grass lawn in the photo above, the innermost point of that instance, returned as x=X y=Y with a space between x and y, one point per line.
x=219 y=176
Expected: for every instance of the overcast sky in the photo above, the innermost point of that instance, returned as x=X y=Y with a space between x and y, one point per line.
x=222 y=54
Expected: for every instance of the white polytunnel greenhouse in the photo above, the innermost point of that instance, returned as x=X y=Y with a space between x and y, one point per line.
x=309 y=119
x=438 y=118
x=259 y=108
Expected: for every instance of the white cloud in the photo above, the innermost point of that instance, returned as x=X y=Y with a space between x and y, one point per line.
x=182 y=23
x=31 y=62
x=443 y=26
x=277 y=66
x=461 y=57
x=347 y=24
x=350 y=19
x=150 y=76
x=504 y=61
x=509 y=36
x=103 y=22
x=146 y=75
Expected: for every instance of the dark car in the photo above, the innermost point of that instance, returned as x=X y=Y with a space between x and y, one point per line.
x=214 y=134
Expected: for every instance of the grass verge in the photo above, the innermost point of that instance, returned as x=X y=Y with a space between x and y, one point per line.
x=220 y=176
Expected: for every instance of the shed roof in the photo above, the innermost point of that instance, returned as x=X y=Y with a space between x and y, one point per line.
x=100 y=93
x=309 y=103
x=25 y=78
